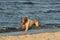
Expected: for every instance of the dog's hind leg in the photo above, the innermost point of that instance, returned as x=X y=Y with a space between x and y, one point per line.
x=37 y=25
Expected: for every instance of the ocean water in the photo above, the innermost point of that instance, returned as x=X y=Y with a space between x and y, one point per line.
x=46 y=11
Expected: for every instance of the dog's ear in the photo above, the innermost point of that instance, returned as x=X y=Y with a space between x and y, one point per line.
x=24 y=20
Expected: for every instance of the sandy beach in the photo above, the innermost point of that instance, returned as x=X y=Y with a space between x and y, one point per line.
x=39 y=36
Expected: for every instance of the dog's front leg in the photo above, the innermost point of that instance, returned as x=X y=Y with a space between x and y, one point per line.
x=26 y=29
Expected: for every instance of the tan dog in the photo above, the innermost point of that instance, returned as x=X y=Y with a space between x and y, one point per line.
x=27 y=23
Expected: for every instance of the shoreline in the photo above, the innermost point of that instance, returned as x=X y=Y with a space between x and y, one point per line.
x=39 y=36
x=32 y=31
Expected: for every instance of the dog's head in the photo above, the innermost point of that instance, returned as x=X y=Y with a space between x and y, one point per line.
x=24 y=20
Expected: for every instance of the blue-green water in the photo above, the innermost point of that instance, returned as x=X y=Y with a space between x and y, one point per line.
x=46 y=11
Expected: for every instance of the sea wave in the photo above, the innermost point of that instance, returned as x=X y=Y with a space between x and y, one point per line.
x=51 y=11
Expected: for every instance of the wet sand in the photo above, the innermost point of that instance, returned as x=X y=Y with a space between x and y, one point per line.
x=39 y=36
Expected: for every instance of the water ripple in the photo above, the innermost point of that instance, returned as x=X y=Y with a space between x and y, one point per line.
x=45 y=11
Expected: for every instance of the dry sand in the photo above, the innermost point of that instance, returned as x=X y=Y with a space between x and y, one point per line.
x=40 y=36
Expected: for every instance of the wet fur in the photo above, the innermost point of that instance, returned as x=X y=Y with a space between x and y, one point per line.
x=26 y=24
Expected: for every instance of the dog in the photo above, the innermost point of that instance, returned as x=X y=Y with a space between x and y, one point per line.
x=28 y=23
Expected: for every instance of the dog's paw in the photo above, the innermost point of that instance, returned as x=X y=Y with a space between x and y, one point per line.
x=24 y=33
